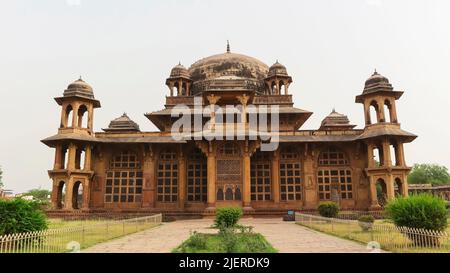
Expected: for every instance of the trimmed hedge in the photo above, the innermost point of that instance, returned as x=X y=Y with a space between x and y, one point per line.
x=328 y=209
x=227 y=217
x=19 y=215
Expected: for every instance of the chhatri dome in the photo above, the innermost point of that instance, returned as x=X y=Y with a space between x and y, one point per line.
x=377 y=82
x=179 y=71
x=79 y=88
x=277 y=69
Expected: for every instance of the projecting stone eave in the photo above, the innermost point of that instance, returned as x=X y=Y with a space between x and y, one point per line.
x=395 y=94
x=95 y=102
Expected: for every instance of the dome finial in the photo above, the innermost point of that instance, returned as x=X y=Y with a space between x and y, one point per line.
x=228 y=46
x=80 y=79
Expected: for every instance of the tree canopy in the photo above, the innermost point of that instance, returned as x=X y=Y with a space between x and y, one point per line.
x=429 y=174
x=39 y=194
x=1 y=181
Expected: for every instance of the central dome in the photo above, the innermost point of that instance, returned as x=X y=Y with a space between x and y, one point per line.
x=228 y=64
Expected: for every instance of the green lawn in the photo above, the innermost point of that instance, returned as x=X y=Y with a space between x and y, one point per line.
x=70 y=235
x=384 y=233
x=215 y=243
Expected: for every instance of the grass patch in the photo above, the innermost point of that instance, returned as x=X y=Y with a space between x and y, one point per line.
x=388 y=238
x=217 y=243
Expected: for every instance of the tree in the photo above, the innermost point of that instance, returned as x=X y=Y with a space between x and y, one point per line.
x=429 y=173
x=39 y=194
x=1 y=181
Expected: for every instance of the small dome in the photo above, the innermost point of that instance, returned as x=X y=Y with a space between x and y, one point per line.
x=79 y=88
x=122 y=123
x=277 y=69
x=179 y=71
x=336 y=121
x=377 y=82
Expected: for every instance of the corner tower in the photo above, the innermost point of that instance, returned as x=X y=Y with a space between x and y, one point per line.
x=72 y=170
x=386 y=166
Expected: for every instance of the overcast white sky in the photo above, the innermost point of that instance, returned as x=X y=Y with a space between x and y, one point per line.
x=125 y=50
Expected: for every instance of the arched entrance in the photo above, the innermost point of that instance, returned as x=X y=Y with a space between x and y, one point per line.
x=398 y=187
x=381 y=192
x=60 y=194
x=77 y=195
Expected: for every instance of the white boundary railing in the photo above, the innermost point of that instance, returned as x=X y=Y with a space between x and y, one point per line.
x=72 y=239
x=385 y=234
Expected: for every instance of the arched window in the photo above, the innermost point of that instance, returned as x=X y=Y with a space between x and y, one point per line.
x=83 y=117
x=77 y=195
x=334 y=176
x=229 y=194
x=260 y=176
x=398 y=187
x=387 y=111
x=124 y=179
x=282 y=88
x=373 y=111
x=219 y=194
x=167 y=185
x=237 y=194
x=60 y=194
x=80 y=158
x=69 y=116
x=290 y=175
x=197 y=177
x=381 y=192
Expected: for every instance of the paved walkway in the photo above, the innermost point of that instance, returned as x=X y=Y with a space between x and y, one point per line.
x=284 y=236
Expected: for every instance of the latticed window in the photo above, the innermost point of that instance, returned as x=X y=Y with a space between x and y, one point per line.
x=229 y=148
x=124 y=179
x=332 y=156
x=260 y=174
x=197 y=177
x=334 y=175
x=290 y=176
x=167 y=181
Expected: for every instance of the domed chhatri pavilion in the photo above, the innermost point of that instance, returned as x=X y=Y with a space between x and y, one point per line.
x=123 y=169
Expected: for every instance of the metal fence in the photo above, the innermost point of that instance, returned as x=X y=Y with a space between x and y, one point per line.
x=74 y=238
x=381 y=233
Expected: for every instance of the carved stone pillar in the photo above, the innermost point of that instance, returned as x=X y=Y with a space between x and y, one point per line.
x=211 y=187
x=86 y=194
x=182 y=180
x=87 y=160
x=149 y=178
x=276 y=176
x=58 y=157
x=373 y=194
x=72 y=150
x=246 y=181
x=68 y=198
x=386 y=153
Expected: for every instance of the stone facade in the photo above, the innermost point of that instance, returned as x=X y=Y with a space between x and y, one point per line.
x=124 y=169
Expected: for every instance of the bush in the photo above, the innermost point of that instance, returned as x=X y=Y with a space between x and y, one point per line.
x=366 y=219
x=366 y=222
x=229 y=240
x=227 y=217
x=19 y=215
x=328 y=209
x=422 y=211
x=197 y=241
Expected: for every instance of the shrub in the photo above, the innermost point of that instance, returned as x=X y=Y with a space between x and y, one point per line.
x=197 y=241
x=227 y=217
x=19 y=215
x=366 y=222
x=328 y=209
x=366 y=219
x=422 y=211
x=229 y=240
